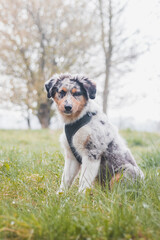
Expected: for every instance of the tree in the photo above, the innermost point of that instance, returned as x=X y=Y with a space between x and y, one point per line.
x=119 y=48
x=39 y=38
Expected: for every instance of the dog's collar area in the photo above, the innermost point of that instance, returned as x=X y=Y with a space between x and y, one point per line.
x=72 y=128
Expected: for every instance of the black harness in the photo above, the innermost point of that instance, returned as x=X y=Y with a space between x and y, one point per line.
x=72 y=128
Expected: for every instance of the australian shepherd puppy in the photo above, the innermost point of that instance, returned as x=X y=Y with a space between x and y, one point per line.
x=91 y=143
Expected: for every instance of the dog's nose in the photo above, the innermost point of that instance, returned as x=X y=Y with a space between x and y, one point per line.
x=68 y=107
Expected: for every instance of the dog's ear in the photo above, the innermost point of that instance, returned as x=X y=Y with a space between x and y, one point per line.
x=88 y=85
x=50 y=86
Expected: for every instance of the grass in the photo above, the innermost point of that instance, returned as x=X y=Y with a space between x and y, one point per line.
x=31 y=166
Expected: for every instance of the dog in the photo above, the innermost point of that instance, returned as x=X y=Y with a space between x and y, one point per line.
x=91 y=143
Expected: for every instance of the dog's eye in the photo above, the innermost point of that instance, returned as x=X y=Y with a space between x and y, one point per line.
x=76 y=94
x=62 y=94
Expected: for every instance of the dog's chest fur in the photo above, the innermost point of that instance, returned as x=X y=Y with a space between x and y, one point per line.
x=98 y=138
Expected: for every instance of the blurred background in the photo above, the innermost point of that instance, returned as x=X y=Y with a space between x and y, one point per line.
x=115 y=43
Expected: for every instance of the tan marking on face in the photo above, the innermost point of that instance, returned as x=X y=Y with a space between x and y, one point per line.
x=74 y=90
x=114 y=179
x=77 y=106
x=60 y=102
x=64 y=89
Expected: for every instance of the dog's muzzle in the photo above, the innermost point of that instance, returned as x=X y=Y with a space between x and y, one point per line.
x=68 y=108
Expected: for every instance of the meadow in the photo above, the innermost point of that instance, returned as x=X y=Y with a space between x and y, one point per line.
x=31 y=165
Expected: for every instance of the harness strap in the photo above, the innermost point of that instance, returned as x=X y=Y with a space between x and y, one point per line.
x=72 y=128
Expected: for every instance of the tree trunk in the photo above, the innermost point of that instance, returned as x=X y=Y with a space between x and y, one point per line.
x=44 y=114
x=29 y=122
x=28 y=118
x=106 y=91
x=107 y=51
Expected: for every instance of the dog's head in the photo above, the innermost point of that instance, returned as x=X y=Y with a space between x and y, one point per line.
x=70 y=92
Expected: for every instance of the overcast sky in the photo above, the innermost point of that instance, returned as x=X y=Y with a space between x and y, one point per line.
x=144 y=80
